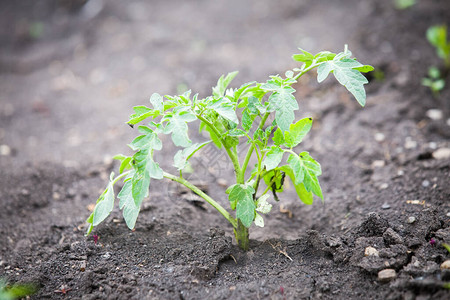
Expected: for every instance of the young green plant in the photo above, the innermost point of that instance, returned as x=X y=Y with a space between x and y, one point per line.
x=437 y=36
x=434 y=81
x=269 y=142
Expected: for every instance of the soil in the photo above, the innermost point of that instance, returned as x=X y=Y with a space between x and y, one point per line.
x=71 y=70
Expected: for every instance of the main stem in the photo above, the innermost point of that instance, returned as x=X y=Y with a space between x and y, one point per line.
x=207 y=198
x=241 y=232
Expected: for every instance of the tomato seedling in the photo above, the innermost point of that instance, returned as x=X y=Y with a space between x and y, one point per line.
x=437 y=36
x=218 y=114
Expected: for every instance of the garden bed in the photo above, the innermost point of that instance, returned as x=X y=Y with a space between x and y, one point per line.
x=67 y=90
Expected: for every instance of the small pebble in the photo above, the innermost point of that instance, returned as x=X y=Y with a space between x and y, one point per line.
x=379 y=137
x=448 y=122
x=387 y=275
x=83 y=266
x=378 y=164
x=432 y=145
x=56 y=196
x=384 y=186
x=410 y=144
x=107 y=255
x=400 y=173
x=442 y=153
x=434 y=114
x=411 y=220
x=448 y=214
x=222 y=182
x=425 y=183
x=445 y=265
x=371 y=251
x=385 y=206
x=5 y=150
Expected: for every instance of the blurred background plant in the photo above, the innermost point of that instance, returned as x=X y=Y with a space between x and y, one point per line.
x=15 y=291
x=437 y=36
x=404 y=4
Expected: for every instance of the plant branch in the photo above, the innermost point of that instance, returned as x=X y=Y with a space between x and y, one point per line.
x=121 y=176
x=207 y=198
x=233 y=155
x=241 y=178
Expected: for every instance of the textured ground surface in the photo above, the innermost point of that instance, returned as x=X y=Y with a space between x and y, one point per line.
x=69 y=75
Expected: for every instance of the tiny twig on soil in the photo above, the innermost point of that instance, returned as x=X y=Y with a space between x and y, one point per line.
x=64 y=290
x=233 y=258
x=285 y=211
x=278 y=249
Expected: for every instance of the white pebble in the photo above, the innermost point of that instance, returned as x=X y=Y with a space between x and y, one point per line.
x=425 y=183
x=432 y=145
x=379 y=137
x=5 y=150
x=387 y=275
x=442 y=153
x=378 y=164
x=448 y=122
x=384 y=186
x=410 y=144
x=371 y=251
x=434 y=114
x=445 y=265
x=411 y=220
x=400 y=173
x=385 y=206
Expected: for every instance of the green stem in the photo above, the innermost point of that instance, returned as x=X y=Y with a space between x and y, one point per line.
x=241 y=234
x=305 y=70
x=233 y=155
x=120 y=177
x=204 y=196
x=241 y=177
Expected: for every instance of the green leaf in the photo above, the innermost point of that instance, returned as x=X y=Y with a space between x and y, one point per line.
x=306 y=57
x=247 y=120
x=446 y=246
x=222 y=84
x=404 y=4
x=105 y=204
x=125 y=162
x=177 y=125
x=437 y=36
x=297 y=132
x=365 y=69
x=345 y=70
x=141 y=113
x=306 y=170
x=284 y=104
x=242 y=196
x=278 y=137
x=305 y=196
x=157 y=101
x=262 y=205
x=145 y=169
x=275 y=179
x=259 y=221
x=129 y=206
x=237 y=132
x=182 y=156
x=242 y=90
x=150 y=139
x=324 y=56
x=273 y=158
x=225 y=108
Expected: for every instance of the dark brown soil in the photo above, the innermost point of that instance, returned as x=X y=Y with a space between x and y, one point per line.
x=69 y=75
